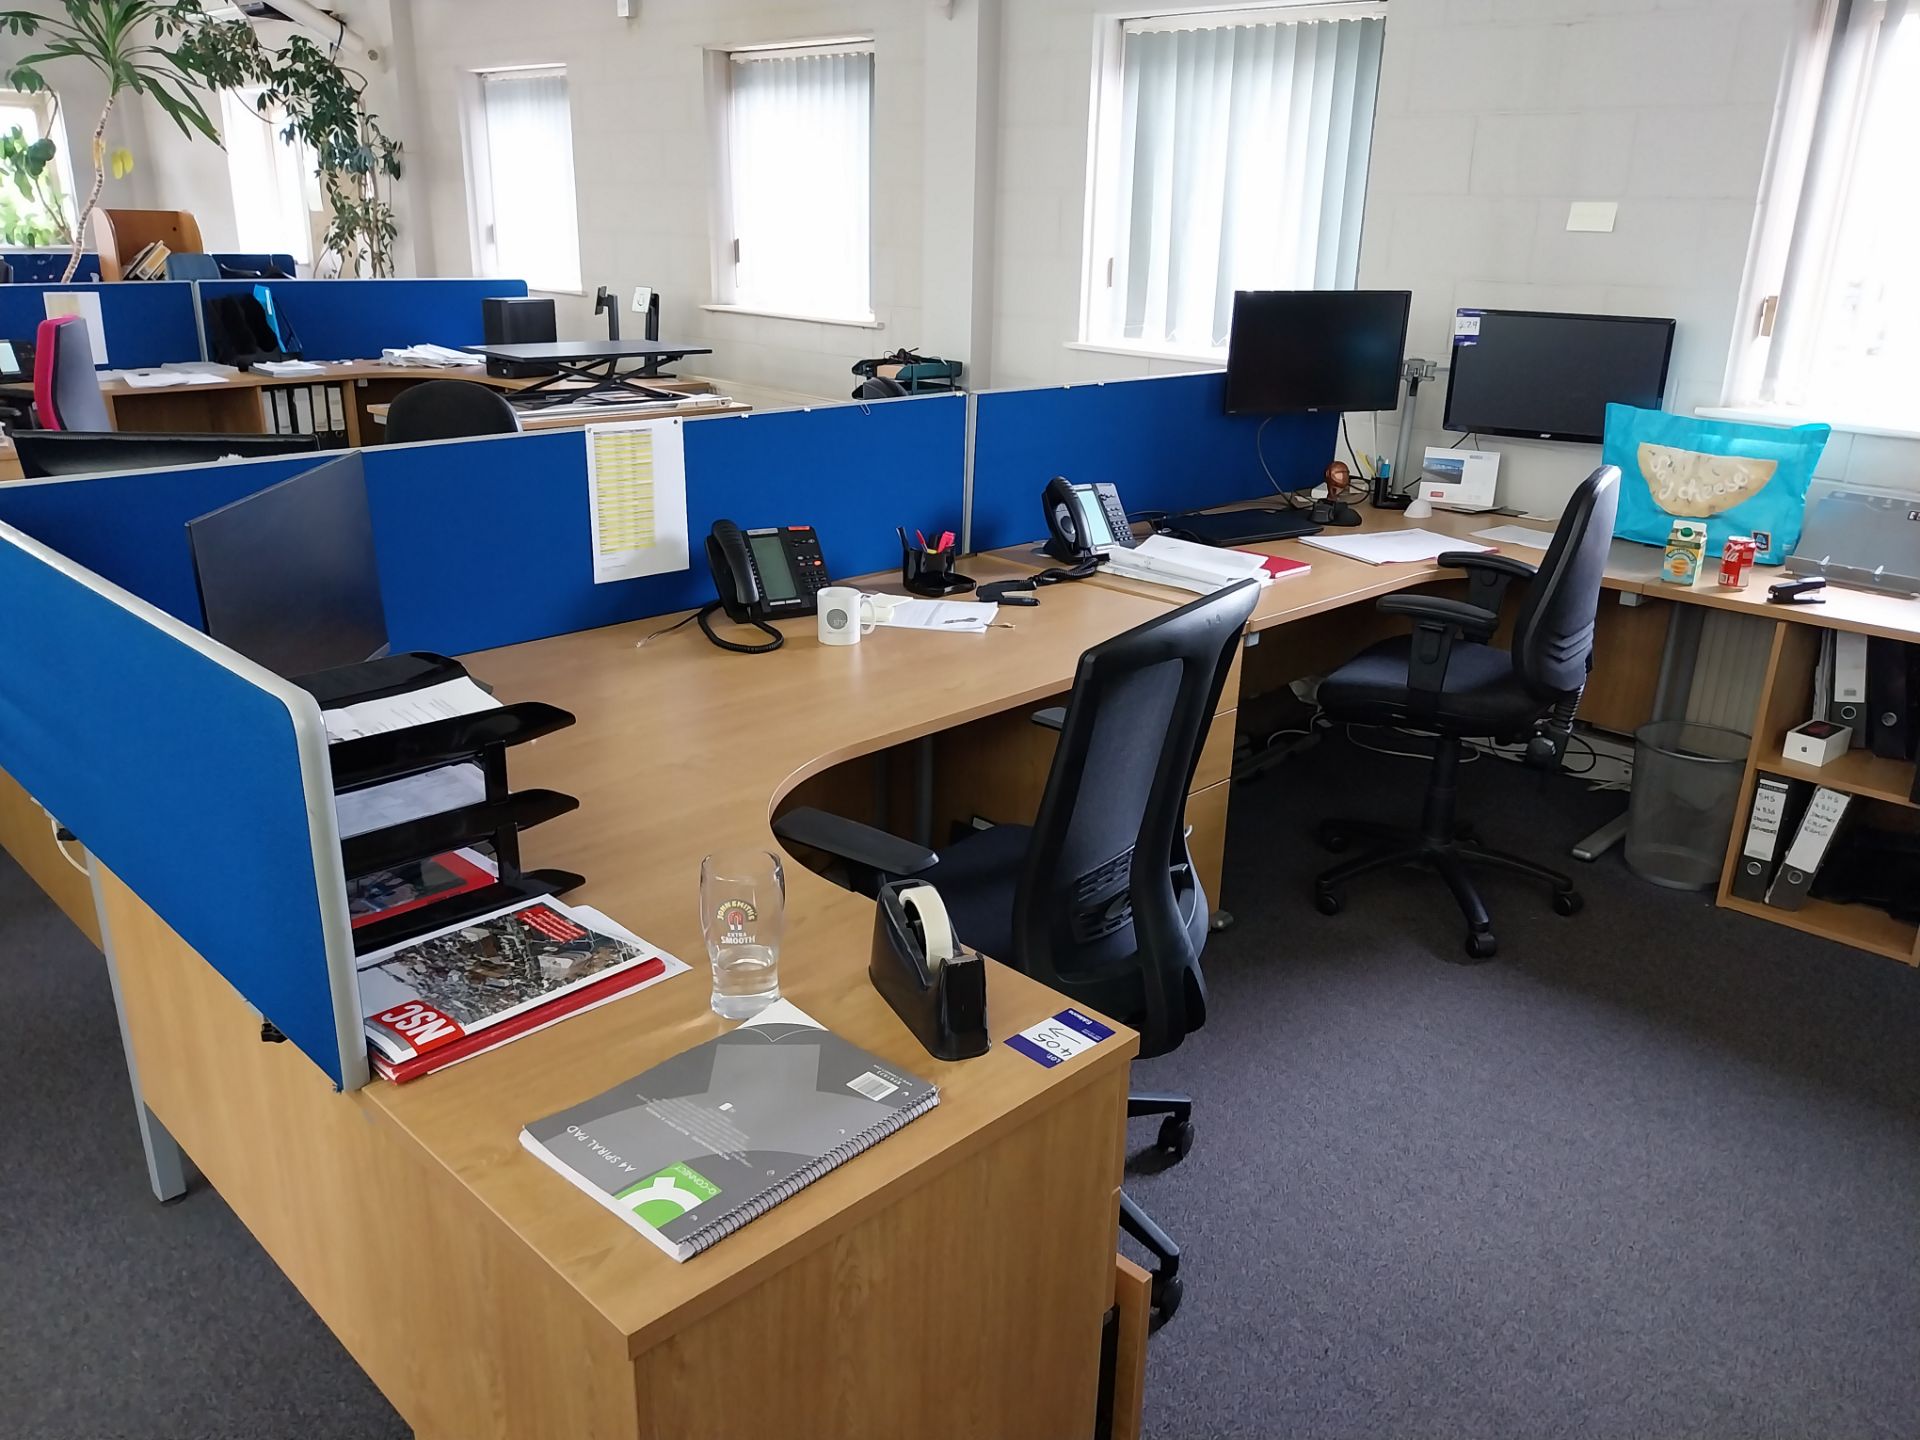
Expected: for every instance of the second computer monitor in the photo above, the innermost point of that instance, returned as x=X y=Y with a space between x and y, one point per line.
x=288 y=577
x=1305 y=350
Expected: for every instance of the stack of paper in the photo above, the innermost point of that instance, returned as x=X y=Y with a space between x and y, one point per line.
x=1183 y=565
x=1391 y=547
x=429 y=355
x=281 y=369
x=163 y=379
x=955 y=617
x=399 y=712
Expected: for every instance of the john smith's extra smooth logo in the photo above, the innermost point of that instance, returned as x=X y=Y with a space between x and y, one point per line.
x=736 y=915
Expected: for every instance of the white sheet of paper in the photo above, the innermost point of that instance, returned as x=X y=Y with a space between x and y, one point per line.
x=399 y=712
x=165 y=379
x=1516 y=535
x=1391 y=547
x=85 y=304
x=957 y=617
x=637 y=499
x=434 y=792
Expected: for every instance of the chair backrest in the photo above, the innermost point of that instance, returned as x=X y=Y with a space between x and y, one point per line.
x=1553 y=636
x=449 y=410
x=66 y=387
x=1108 y=908
x=880 y=388
x=192 y=267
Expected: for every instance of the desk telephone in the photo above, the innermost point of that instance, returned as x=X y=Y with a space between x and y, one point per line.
x=1083 y=520
x=762 y=575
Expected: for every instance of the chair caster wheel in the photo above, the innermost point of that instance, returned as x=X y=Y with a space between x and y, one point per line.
x=1328 y=903
x=1482 y=946
x=1176 y=1137
x=1568 y=902
x=1164 y=1300
x=1333 y=840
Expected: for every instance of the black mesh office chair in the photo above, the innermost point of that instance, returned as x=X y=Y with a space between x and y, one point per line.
x=1098 y=897
x=1445 y=678
x=880 y=388
x=449 y=410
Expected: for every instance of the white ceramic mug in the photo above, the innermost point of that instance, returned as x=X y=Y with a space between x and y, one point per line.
x=845 y=615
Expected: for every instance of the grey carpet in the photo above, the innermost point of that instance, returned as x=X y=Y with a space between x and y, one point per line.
x=1651 y=1173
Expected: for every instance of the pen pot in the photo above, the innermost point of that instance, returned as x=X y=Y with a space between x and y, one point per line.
x=931 y=572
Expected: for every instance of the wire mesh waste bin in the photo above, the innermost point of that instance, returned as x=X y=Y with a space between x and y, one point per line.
x=1686 y=783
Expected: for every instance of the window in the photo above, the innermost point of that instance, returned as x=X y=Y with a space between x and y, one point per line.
x=798 y=232
x=276 y=183
x=1835 y=273
x=525 y=221
x=1230 y=153
x=38 y=218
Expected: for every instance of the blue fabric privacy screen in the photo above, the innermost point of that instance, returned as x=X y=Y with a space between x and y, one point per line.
x=148 y=322
x=1165 y=442
x=486 y=542
x=357 y=319
x=188 y=780
x=1741 y=479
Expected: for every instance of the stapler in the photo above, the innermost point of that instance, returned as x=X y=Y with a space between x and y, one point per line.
x=1797 y=592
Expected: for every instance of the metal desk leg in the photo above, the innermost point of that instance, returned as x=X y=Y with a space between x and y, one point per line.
x=923 y=791
x=1670 y=698
x=166 y=1162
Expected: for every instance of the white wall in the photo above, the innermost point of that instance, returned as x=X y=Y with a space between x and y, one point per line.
x=643 y=161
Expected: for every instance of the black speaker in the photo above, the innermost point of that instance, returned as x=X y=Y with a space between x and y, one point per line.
x=528 y=321
x=1890 y=696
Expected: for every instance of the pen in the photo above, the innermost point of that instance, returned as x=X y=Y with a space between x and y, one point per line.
x=946 y=540
x=921 y=538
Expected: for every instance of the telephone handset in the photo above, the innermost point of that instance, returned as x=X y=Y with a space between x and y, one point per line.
x=763 y=575
x=1083 y=520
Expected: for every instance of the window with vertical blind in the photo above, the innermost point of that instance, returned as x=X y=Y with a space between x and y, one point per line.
x=1834 y=327
x=526 y=223
x=798 y=237
x=1230 y=153
x=276 y=183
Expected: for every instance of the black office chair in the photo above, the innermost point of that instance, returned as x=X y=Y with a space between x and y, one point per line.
x=1098 y=897
x=449 y=410
x=1445 y=678
x=880 y=388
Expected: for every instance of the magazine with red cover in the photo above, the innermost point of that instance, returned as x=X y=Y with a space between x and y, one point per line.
x=434 y=991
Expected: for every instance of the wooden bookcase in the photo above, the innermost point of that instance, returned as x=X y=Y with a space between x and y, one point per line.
x=1883 y=788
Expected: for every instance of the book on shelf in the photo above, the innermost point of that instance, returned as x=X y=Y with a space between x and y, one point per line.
x=701 y=1144
x=1812 y=838
x=521 y=963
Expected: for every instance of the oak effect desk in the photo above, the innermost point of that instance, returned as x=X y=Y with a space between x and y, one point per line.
x=1645 y=648
x=951 y=1282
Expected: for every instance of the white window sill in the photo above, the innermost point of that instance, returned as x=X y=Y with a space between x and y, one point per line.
x=1787 y=415
x=1216 y=358
x=866 y=322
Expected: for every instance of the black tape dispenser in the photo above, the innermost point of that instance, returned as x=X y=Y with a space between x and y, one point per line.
x=934 y=984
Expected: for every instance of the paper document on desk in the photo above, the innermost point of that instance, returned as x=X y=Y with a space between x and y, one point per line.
x=400 y=712
x=412 y=797
x=429 y=355
x=637 y=499
x=1391 y=547
x=955 y=617
x=1516 y=535
x=164 y=379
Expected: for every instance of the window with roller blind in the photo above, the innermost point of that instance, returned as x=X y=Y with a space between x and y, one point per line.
x=1230 y=153
x=1833 y=332
x=795 y=234
x=520 y=176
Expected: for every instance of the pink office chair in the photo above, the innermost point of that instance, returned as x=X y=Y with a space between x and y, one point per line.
x=66 y=388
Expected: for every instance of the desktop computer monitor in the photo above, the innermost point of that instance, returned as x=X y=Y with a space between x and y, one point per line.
x=48 y=453
x=288 y=577
x=1292 y=351
x=1545 y=376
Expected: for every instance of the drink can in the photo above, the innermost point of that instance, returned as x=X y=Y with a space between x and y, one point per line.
x=1736 y=561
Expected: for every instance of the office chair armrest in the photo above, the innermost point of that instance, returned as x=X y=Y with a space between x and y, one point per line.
x=871 y=856
x=1437 y=624
x=1054 y=717
x=1487 y=575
